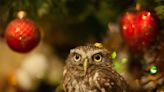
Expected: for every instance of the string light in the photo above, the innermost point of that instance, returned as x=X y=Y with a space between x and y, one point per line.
x=153 y=69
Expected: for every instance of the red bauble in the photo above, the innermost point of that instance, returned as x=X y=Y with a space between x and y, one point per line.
x=22 y=35
x=138 y=29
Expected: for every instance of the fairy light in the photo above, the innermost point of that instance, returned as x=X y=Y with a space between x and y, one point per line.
x=153 y=69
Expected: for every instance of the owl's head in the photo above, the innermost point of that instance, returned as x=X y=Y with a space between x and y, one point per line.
x=88 y=57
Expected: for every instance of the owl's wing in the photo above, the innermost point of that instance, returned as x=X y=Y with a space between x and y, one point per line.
x=110 y=81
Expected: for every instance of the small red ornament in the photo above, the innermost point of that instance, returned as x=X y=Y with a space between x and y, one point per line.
x=138 y=29
x=22 y=34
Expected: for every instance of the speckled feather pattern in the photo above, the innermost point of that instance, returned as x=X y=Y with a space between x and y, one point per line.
x=98 y=78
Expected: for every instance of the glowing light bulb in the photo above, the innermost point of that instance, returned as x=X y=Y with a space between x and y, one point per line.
x=153 y=69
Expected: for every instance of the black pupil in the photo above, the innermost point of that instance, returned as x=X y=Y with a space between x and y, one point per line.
x=77 y=57
x=97 y=57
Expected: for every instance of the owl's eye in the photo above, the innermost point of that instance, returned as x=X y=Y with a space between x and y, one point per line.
x=77 y=57
x=97 y=58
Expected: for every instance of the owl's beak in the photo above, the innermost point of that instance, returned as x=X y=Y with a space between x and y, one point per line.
x=85 y=65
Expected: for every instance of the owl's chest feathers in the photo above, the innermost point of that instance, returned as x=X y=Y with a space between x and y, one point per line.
x=83 y=83
x=99 y=80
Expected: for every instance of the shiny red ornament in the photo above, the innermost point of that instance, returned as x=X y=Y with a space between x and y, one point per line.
x=138 y=29
x=22 y=35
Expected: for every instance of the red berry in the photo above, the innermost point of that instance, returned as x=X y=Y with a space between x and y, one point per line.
x=22 y=35
x=138 y=29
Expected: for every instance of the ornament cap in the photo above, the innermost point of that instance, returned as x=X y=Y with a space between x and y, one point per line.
x=21 y=14
x=99 y=45
x=138 y=7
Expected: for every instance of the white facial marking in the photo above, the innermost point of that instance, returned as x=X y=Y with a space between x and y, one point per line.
x=93 y=52
x=79 y=51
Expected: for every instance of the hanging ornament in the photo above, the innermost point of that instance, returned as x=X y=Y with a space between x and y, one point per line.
x=138 y=29
x=22 y=34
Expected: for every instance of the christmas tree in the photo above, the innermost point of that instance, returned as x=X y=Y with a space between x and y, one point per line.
x=132 y=30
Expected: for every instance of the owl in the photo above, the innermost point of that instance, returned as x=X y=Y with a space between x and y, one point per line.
x=89 y=69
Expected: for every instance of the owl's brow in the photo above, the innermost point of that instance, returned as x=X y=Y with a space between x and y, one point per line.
x=97 y=51
x=77 y=51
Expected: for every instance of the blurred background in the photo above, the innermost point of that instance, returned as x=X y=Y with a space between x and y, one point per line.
x=65 y=24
